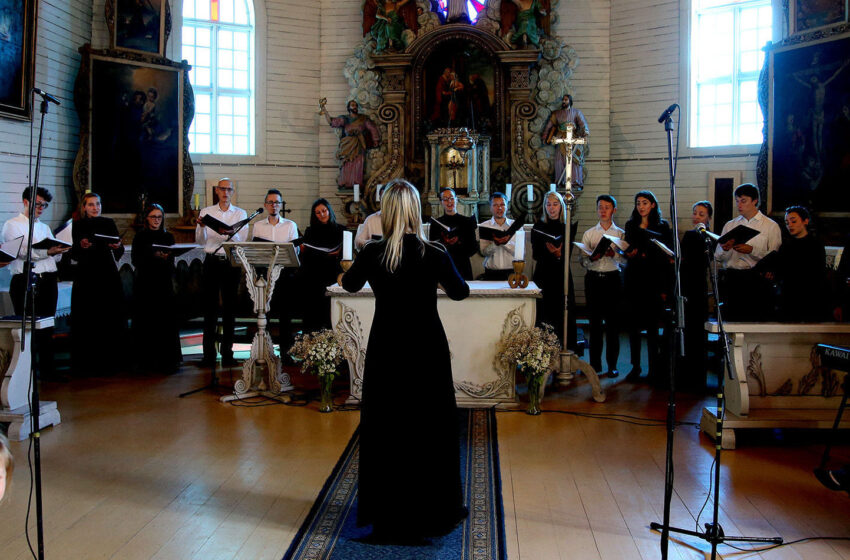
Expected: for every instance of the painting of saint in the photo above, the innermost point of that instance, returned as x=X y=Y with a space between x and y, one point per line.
x=138 y=25
x=136 y=130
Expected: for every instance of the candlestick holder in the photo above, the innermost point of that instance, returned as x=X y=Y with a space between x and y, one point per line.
x=345 y=266
x=518 y=279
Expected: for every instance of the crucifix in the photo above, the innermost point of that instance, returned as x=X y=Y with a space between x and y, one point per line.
x=570 y=363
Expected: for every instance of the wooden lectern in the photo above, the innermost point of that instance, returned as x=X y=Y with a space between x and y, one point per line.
x=276 y=257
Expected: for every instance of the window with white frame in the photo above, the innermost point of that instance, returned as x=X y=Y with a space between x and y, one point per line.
x=218 y=41
x=725 y=61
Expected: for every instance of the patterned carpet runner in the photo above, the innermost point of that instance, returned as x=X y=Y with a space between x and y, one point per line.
x=330 y=531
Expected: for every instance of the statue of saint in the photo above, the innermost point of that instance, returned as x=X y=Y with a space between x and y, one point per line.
x=359 y=134
x=556 y=127
x=530 y=16
x=385 y=20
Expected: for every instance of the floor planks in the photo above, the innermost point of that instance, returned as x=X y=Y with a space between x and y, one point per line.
x=135 y=473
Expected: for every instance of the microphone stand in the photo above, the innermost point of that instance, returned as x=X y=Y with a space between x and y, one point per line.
x=29 y=307
x=213 y=384
x=713 y=531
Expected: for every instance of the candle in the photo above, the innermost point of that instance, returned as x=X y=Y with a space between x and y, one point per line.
x=356 y=193
x=529 y=193
x=346 y=245
x=197 y=201
x=508 y=188
x=519 y=245
x=378 y=193
x=551 y=187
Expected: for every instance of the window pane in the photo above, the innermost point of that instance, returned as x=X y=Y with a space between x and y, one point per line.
x=240 y=80
x=240 y=12
x=202 y=9
x=240 y=42
x=203 y=145
x=226 y=10
x=188 y=9
x=203 y=37
x=240 y=145
x=225 y=124
x=225 y=105
x=225 y=144
x=240 y=61
x=240 y=106
x=225 y=78
x=225 y=39
x=188 y=35
x=202 y=123
x=225 y=59
x=203 y=77
x=202 y=103
x=240 y=125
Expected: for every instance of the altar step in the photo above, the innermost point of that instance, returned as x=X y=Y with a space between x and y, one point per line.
x=767 y=419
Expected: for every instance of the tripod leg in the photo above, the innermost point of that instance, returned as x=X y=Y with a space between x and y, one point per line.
x=834 y=432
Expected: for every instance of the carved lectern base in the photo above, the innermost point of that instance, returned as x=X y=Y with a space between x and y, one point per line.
x=570 y=363
x=20 y=419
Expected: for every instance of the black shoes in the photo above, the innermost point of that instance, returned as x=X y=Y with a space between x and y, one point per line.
x=634 y=374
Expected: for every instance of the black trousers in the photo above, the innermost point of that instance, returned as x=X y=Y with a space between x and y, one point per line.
x=46 y=294
x=604 y=292
x=221 y=280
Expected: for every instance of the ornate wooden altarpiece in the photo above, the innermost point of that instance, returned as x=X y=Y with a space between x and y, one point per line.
x=479 y=152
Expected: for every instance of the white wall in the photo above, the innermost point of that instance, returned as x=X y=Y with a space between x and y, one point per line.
x=63 y=26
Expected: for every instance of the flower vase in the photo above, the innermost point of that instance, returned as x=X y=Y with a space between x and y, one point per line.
x=326 y=400
x=535 y=384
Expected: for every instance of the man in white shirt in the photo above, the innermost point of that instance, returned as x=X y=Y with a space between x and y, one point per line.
x=747 y=294
x=367 y=231
x=220 y=278
x=499 y=253
x=603 y=287
x=277 y=229
x=44 y=272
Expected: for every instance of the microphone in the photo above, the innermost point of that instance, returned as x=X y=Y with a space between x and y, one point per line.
x=46 y=95
x=705 y=234
x=256 y=213
x=667 y=112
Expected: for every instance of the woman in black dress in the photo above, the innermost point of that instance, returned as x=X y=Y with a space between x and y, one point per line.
x=547 y=248
x=696 y=253
x=408 y=418
x=647 y=282
x=97 y=300
x=803 y=283
x=319 y=269
x=155 y=328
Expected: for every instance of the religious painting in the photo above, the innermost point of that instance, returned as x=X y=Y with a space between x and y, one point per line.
x=809 y=126
x=459 y=90
x=17 y=57
x=136 y=141
x=806 y=15
x=139 y=25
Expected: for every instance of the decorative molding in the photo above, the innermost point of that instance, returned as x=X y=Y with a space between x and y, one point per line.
x=354 y=347
x=755 y=370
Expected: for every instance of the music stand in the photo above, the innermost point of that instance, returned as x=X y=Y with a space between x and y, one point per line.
x=276 y=257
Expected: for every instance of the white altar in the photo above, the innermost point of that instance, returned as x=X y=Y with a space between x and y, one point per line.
x=473 y=327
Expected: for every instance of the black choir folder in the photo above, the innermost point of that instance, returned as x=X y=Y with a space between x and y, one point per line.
x=740 y=234
x=176 y=249
x=546 y=236
x=602 y=247
x=218 y=226
x=489 y=233
x=48 y=243
x=10 y=249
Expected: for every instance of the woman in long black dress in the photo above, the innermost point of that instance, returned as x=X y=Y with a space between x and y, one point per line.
x=547 y=248
x=696 y=250
x=155 y=328
x=647 y=282
x=98 y=322
x=408 y=420
x=803 y=284
x=319 y=269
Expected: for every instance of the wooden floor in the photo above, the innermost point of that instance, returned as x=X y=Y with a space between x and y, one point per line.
x=134 y=472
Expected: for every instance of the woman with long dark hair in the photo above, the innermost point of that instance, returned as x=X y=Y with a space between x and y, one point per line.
x=155 y=323
x=647 y=282
x=319 y=267
x=98 y=320
x=407 y=355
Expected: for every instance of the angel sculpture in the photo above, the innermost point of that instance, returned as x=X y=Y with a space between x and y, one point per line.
x=530 y=16
x=385 y=20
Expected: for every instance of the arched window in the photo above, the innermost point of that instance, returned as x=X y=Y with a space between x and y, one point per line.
x=218 y=41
